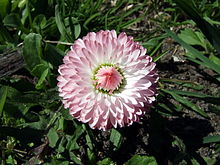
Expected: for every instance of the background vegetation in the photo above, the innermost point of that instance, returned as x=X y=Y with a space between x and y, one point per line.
x=183 y=127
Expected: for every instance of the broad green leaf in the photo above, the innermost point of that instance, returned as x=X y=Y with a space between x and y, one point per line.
x=211 y=139
x=116 y=138
x=41 y=124
x=32 y=50
x=197 y=54
x=192 y=38
x=11 y=160
x=12 y=92
x=106 y=161
x=52 y=137
x=22 y=3
x=3 y=95
x=185 y=102
x=39 y=69
x=12 y=20
x=39 y=23
x=141 y=160
x=4 y=4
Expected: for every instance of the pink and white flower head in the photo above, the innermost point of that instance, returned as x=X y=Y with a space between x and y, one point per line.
x=107 y=80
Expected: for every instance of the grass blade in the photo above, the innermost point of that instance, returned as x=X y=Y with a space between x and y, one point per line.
x=211 y=139
x=32 y=50
x=195 y=52
x=60 y=24
x=185 y=102
x=3 y=95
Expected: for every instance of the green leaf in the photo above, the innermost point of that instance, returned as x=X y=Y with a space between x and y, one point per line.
x=211 y=139
x=116 y=138
x=39 y=69
x=74 y=158
x=4 y=4
x=215 y=109
x=32 y=51
x=39 y=84
x=39 y=23
x=60 y=24
x=211 y=21
x=52 y=137
x=211 y=32
x=5 y=36
x=22 y=3
x=72 y=140
x=141 y=160
x=61 y=147
x=77 y=30
x=12 y=20
x=215 y=59
x=74 y=26
x=91 y=156
x=57 y=162
x=42 y=72
x=72 y=143
x=38 y=125
x=53 y=55
x=207 y=98
x=106 y=161
x=65 y=114
x=194 y=94
x=3 y=96
x=90 y=19
x=192 y=38
x=89 y=142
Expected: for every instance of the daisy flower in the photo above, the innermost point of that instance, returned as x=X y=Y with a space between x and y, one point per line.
x=107 y=80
